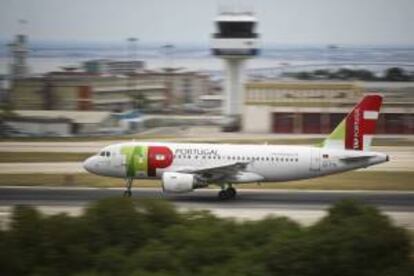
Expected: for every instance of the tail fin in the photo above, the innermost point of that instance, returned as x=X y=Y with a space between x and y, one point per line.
x=355 y=132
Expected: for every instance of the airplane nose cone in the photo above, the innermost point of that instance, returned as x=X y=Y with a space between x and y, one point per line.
x=89 y=164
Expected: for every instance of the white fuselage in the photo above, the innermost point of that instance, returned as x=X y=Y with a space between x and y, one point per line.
x=264 y=163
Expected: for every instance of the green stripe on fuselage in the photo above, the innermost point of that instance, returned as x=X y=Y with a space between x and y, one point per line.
x=136 y=160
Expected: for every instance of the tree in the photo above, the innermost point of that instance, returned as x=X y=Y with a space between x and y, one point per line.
x=352 y=240
x=123 y=237
x=396 y=74
x=304 y=75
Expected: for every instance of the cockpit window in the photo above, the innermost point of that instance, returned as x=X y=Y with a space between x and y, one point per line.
x=105 y=153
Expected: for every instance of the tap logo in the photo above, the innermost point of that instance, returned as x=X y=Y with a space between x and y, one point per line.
x=356 y=144
x=354 y=130
x=145 y=160
x=361 y=123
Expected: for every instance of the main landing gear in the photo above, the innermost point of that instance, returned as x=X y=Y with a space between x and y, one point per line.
x=227 y=193
x=128 y=192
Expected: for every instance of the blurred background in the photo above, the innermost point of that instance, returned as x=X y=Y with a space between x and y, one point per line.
x=104 y=68
x=76 y=76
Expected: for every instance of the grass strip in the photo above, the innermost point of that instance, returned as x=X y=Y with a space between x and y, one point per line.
x=398 y=181
x=11 y=157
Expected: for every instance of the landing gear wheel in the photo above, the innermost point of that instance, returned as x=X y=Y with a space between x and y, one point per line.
x=231 y=192
x=223 y=195
x=228 y=193
x=128 y=192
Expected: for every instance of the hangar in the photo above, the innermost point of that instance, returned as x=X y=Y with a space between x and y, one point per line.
x=317 y=107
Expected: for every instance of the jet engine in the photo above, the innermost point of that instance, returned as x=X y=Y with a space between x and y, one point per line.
x=173 y=182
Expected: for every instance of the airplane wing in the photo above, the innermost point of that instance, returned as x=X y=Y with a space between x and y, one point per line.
x=215 y=173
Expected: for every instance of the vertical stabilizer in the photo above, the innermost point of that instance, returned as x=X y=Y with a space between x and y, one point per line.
x=355 y=132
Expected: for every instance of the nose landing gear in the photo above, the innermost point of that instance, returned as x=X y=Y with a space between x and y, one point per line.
x=128 y=191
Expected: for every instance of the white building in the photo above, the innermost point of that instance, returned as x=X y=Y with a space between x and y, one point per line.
x=61 y=123
x=114 y=67
x=182 y=87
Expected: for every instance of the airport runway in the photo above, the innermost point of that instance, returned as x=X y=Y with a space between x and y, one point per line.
x=303 y=206
x=246 y=197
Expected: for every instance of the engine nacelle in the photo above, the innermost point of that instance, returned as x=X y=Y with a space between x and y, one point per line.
x=173 y=182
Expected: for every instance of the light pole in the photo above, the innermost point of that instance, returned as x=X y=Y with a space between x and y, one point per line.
x=168 y=49
x=132 y=48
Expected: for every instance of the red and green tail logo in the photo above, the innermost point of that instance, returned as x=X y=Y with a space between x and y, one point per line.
x=355 y=132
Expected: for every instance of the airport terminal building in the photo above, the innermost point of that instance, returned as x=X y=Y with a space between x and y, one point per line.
x=89 y=91
x=318 y=107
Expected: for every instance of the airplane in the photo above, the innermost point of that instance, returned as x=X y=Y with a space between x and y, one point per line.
x=184 y=167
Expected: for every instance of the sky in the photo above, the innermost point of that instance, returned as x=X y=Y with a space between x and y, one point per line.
x=353 y=22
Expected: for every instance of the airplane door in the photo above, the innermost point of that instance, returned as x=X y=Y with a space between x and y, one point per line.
x=315 y=164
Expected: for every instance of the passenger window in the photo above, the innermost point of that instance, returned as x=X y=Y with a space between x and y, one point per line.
x=102 y=153
x=108 y=154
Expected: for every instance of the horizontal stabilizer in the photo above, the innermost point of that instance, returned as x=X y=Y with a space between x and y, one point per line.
x=355 y=158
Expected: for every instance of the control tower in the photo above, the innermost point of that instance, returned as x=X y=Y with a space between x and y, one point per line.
x=235 y=41
x=19 y=51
